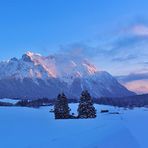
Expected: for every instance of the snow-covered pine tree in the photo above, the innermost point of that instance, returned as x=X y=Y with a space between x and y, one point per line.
x=61 y=108
x=86 y=108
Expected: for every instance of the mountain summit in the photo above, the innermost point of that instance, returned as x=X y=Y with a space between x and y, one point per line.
x=36 y=76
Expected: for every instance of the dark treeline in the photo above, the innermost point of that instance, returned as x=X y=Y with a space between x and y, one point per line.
x=35 y=103
x=130 y=102
x=40 y=102
x=5 y=104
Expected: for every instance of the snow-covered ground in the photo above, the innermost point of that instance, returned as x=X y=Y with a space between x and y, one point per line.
x=36 y=128
x=9 y=100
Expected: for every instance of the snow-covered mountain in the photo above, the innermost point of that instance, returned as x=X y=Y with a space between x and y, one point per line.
x=36 y=76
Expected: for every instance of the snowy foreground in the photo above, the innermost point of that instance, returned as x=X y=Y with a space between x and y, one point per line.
x=36 y=128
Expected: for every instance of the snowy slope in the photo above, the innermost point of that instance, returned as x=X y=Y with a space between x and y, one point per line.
x=36 y=128
x=36 y=76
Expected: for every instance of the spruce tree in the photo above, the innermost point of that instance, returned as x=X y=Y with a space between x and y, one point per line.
x=61 y=108
x=86 y=108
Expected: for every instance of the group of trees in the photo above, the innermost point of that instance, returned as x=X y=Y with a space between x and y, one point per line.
x=35 y=103
x=85 y=108
x=127 y=102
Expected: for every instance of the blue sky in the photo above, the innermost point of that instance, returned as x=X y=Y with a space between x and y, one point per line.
x=110 y=32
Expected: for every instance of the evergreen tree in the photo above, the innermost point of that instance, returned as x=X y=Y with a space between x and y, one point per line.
x=61 y=108
x=86 y=108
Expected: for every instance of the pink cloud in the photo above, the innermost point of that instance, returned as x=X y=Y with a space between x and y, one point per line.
x=141 y=30
x=137 y=29
x=138 y=86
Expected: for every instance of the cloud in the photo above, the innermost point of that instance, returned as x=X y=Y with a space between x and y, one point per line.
x=137 y=30
x=82 y=51
x=133 y=77
x=138 y=86
x=137 y=82
x=123 y=59
x=130 y=45
x=145 y=63
x=124 y=52
x=76 y=49
x=127 y=48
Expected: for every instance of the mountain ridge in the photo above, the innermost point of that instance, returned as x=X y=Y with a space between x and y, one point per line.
x=36 y=76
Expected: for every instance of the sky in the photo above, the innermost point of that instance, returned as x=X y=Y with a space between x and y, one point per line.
x=113 y=34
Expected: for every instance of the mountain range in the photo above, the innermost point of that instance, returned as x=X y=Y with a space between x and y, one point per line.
x=36 y=76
